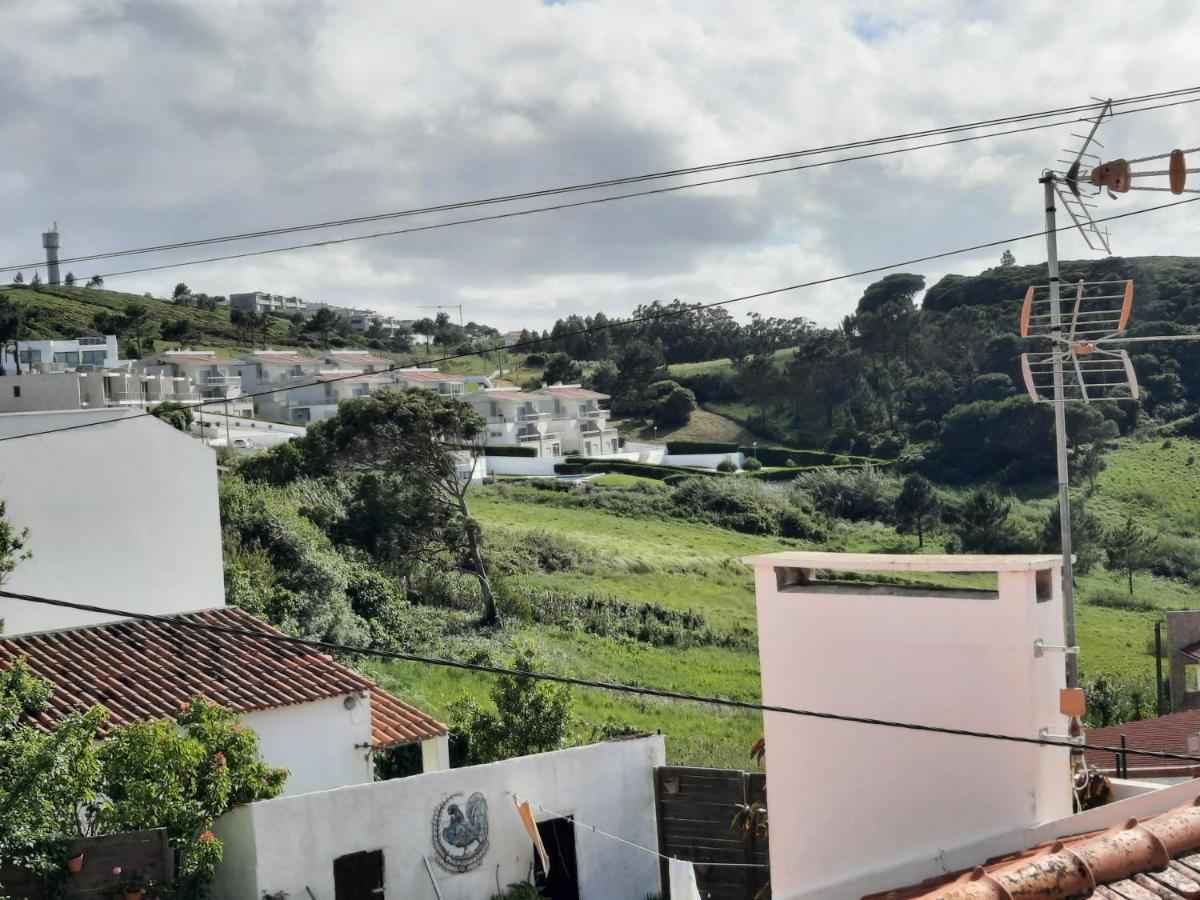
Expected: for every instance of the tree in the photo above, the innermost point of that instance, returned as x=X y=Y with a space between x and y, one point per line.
x=176 y=415
x=561 y=369
x=19 y=278
x=324 y=322
x=425 y=328
x=138 y=325
x=674 y=406
x=1007 y=260
x=95 y=282
x=180 y=331
x=1130 y=548
x=110 y=323
x=13 y=329
x=69 y=281
x=181 y=294
x=1087 y=537
x=413 y=435
x=984 y=525
x=36 y=281
x=12 y=544
x=530 y=716
x=1089 y=463
x=917 y=506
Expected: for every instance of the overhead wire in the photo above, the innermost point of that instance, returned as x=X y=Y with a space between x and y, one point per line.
x=547 y=192
x=666 y=313
x=573 y=681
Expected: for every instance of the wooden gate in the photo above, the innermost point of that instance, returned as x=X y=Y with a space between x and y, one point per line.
x=695 y=809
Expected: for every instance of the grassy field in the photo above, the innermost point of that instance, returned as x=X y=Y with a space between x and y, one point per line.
x=703 y=426
x=716 y=365
x=693 y=567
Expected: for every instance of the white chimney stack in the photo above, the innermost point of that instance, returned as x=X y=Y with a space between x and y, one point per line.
x=847 y=800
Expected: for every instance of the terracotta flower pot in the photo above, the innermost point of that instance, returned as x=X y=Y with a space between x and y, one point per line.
x=75 y=864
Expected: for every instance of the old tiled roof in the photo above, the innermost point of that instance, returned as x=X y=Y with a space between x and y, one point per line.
x=145 y=669
x=351 y=356
x=1147 y=860
x=412 y=375
x=573 y=393
x=283 y=357
x=1169 y=733
x=201 y=358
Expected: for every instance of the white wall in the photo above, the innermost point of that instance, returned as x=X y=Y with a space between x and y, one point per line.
x=954 y=660
x=289 y=844
x=544 y=465
x=37 y=392
x=702 y=460
x=120 y=515
x=322 y=743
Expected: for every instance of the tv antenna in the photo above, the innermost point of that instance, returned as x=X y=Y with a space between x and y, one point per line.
x=1082 y=360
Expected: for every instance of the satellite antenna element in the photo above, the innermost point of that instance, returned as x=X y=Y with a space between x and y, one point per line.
x=1090 y=371
x=1074 y=186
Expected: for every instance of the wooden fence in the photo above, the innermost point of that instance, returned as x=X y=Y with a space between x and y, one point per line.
x=144 y=852
x=695 y=809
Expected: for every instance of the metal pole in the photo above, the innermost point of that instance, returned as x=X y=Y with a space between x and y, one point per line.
x=1060 y=433
x=1158 y=678
x=1123 y=768
x=228 y=442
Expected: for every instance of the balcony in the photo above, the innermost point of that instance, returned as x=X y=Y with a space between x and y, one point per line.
x=91 y=342
x=596 y=414
x=598 y=432
x=223 y=381
x=531 y=416
x=529 y=438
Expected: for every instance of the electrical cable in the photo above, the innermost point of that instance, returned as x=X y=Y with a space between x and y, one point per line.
x=668 y=313
x=334 y=647
x=540 y=209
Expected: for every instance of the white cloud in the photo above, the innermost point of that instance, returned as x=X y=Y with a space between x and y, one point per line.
x=143 y=121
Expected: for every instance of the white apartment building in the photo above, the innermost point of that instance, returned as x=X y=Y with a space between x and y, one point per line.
x=95 y=388
x=358 y=360
x=260 y=301
x=262 y=368
x=441 y=383
x=210 y=376
x=552 y=420
x=61 y=355
x=315 y=398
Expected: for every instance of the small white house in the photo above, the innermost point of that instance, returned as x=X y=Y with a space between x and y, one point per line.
x=61 y=354
x=314 y=716
x=121 y=514
x=456 y=829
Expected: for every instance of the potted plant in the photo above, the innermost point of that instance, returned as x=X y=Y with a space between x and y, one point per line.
x=130 y=884
x=75 y=863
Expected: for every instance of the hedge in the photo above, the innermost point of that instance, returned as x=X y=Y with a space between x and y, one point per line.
x=628 y=467
x=509 y=451
x=779 y=456
x=680 y=448
x=568 y=469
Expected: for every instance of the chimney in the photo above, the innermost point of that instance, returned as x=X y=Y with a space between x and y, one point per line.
x=50 y=243
x=849 y=800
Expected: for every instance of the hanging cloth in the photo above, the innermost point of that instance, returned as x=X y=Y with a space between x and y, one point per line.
x=526 y=815
x=682 y=878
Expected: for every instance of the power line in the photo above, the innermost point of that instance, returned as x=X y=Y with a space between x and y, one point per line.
x=570 y=189
x=618 y=687
x=668 y=313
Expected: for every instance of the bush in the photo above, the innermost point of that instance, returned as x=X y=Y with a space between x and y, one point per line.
x=985 y=526
x=751 y=465
x=798 y=523
x=850 y=493
x=509 y=451
x=683 y=448
x=727 y=466
x=1112 y=598
x=735 y=503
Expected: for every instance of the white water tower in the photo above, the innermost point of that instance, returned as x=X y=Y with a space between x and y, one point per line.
x=50 y=242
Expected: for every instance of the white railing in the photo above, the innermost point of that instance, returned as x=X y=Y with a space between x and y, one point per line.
x=596 y=414
x=91 y=342
x=526 y=438
x=598 y=432
x=223 y=381
x=527 y=416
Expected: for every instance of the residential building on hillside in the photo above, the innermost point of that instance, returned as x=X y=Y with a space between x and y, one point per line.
x=511 y=337
x=61 y=355
x=360 y=320
x=315 y=398
x=552 y=420
x=441 y=383
x=211 y=376
x=95 y=389
x=358 y=360
x=121 y=515
x=313 y=715
x=260 y=301
x=261 y=368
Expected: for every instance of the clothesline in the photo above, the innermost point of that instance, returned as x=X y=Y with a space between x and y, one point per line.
x=622 y=840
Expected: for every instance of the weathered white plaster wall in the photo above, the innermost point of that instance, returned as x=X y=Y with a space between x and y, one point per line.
x=289 y=844
x=322 y=743
x=121 y=515
x=703 y=460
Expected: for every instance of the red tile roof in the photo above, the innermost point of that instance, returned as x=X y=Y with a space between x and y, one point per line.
x=283 y=357
x=1169 y=733
x=358 y=357
x=411 y=375
x=1147 y=860
x=201 y=358
x=145 y=669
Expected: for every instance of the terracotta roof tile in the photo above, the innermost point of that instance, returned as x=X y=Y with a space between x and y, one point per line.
x=1169 y=733
x=358 y=357
x=1153 y=858
x=576 y=393
x=410 y=375
x=149 y=669
x=283 y=357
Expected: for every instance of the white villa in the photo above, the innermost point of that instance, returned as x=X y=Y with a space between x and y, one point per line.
x=440 y=383
x=262 y=368
x=209 y=376
x=553 y=420
x=61 y=355
x=359 y=360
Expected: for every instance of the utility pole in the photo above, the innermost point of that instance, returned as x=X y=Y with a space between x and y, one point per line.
x=1060 y=433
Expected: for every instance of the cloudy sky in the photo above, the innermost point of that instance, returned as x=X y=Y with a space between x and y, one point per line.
x=135 y=122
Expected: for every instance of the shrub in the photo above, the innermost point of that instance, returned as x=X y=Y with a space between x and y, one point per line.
x=682 y=448
x=849 y=493
x=751 y=465
x=985 y=526
x=727 y=466
x=1111 y=598
x=509 y=451
x=798 y=523
x=739 y=504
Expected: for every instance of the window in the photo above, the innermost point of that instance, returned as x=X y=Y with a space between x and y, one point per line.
x=93 y=357
x=31 y=356
x=16 y=390
x=1191 y=677
x=71 y=358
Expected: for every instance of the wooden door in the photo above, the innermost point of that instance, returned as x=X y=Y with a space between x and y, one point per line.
x=358 y=876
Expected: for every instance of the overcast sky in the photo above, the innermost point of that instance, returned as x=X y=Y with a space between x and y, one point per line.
x=136 y=122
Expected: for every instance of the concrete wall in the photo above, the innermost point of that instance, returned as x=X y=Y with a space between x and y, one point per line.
x=542 y=465
x=322 y=743
x=36 y=392
x=953 y=659
x=702 y=460
x=289 y=844
x=1183 y=629
x=121 y=515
